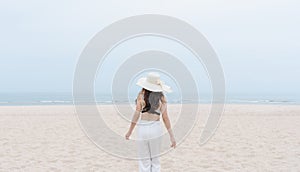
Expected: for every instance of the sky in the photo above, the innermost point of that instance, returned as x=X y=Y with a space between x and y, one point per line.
x=257 y=41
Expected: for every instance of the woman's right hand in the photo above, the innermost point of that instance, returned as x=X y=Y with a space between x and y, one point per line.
x=173 y=142
x=127 y=135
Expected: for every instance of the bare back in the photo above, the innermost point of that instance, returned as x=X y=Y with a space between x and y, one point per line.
x=150 y=116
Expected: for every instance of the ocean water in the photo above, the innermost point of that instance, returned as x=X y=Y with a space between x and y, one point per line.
x=14 y=99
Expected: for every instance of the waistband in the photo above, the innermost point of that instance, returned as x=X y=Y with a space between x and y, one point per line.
x=148 y=122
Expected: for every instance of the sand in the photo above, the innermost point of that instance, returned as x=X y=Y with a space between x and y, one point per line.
x=249 y=138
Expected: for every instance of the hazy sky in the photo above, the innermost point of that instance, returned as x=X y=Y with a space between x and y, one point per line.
x=258 y=42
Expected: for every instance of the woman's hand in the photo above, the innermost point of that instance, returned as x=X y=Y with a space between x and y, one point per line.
x=128 y=135
x=173 y=142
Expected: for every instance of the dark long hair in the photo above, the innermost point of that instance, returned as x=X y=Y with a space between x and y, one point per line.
x=152 y=100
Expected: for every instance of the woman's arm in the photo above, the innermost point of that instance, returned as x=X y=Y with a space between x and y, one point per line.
x=168 y=124
x=135 y=118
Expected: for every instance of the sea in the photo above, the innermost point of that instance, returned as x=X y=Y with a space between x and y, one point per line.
x=66 y=98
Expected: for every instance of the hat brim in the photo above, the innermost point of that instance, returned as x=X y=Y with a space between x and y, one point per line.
x=142 y=82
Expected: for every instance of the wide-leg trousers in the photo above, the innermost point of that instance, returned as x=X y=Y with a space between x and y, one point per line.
x=149 y=142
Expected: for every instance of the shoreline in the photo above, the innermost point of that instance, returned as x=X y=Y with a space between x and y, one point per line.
x=109 y=104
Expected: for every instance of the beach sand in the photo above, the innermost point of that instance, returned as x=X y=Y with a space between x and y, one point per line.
x=249 y=138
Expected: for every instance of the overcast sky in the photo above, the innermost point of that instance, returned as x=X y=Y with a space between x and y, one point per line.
x=258 y=41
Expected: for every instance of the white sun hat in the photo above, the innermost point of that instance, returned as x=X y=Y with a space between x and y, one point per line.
x=153 y=83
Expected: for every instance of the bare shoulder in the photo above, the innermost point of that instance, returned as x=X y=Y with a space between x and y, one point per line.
x=163 y=106
x=163 y=100
x=140 y=101
x=140 y=97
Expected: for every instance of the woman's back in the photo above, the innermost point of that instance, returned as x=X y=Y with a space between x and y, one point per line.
x=151 y=104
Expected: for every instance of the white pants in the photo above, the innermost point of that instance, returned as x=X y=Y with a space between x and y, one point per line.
x=149 y=141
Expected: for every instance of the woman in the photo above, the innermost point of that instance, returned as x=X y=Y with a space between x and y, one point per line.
x=151 y=104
